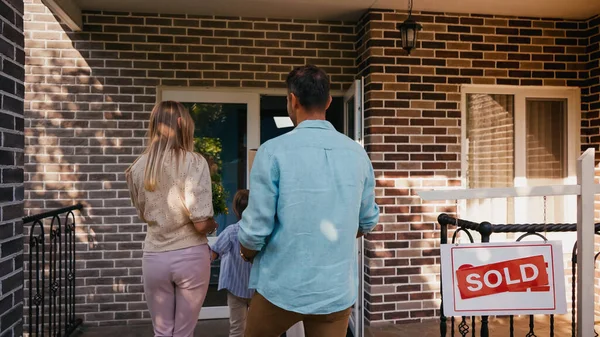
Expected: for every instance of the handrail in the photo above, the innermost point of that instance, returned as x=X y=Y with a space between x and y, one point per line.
x=52 y=273
x=445 y=219
x=40 y=216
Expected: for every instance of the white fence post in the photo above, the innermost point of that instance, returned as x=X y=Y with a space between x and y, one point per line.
x=585 y=244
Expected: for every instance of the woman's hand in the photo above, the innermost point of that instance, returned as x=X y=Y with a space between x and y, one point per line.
x=207 y=226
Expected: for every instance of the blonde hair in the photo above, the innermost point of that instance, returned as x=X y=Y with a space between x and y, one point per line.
x=171 y=132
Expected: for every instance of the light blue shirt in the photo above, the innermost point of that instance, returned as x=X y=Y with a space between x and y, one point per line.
x=311 y=191
x=235 y=272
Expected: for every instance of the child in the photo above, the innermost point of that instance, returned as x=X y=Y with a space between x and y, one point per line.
x=235 y=272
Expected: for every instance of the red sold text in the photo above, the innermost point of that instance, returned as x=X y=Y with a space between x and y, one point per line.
x=518 y=275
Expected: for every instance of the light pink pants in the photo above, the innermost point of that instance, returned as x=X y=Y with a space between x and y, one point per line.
x=175 y=284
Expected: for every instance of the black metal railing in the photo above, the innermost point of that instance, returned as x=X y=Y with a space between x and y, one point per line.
x=486 y=229
x=51 y=273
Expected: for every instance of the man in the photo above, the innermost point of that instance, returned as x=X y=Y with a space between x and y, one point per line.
x=311 y=196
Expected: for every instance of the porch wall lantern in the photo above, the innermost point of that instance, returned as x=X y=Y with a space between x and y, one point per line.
x=408 y=30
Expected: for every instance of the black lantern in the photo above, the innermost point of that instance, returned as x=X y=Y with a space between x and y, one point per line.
x=408 y=31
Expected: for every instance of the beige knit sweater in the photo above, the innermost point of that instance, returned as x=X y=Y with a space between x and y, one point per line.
x=180 y=198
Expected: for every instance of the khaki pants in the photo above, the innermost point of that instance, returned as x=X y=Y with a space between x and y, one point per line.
x=267 y=320
x=238 y=311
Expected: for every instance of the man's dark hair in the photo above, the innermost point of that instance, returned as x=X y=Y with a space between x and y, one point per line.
x=310 y=85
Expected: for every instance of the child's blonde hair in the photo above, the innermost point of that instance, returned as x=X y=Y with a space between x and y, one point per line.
x=240 y=202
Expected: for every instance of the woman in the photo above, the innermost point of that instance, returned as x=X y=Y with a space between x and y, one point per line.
x=170 y=187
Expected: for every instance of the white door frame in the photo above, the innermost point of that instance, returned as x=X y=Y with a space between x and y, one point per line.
x=356 y=93
x=252 y=100
x=251 y=97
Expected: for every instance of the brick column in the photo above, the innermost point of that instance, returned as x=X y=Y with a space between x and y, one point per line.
x=591 y=108
x=591 y=91
x=412 y=123
x=12 y=58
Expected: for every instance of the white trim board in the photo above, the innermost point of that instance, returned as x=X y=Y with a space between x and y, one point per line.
x=260 y=91
x=503 y=192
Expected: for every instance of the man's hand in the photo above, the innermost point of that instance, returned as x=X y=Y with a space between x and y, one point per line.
x=207 y=226
x=213 y=256
x=359 y=234
x=249 y=254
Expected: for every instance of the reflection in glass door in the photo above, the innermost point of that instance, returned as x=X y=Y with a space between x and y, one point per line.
x=227 y=124
x=275 y=121
x=221 y=131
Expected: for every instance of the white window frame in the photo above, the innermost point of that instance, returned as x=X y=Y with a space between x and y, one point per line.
x=521 y=93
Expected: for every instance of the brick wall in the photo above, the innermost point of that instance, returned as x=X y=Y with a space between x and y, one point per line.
x=89 y=95
x=591 y=104
x=591 y=91
x=413 y=125
x=12 y=58
x=88 y=99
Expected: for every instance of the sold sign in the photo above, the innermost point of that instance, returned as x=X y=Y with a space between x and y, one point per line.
x=503 y=278
x=517 y=275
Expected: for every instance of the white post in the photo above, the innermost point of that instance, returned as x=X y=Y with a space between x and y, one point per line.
x=585 y=245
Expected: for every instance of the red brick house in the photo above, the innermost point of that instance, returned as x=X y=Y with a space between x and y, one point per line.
x=78 y=79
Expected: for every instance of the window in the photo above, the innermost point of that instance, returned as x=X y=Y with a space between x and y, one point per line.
x=520 y=136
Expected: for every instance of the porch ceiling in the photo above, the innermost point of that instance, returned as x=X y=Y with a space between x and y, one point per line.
x=347 y=9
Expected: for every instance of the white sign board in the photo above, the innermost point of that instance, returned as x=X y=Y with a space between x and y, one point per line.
x=503 y=279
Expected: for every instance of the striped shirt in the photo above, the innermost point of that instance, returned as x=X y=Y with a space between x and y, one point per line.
x=235 y=272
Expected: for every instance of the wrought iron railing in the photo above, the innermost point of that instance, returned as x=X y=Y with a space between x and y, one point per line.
x=51 y=273
x=486 y=229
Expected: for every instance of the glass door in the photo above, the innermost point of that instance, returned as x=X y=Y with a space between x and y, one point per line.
x=354 y=128
x=226 y=128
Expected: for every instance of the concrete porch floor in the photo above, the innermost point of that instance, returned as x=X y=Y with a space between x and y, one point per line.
x=219 y=328
x=210 y=328
x=498 y=327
